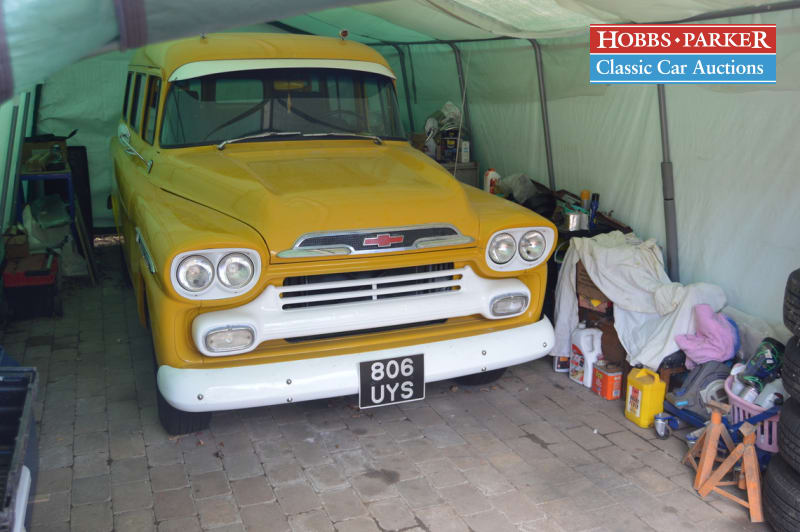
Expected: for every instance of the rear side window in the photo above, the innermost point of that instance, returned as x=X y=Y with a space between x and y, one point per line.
x=127 y=95
x=136 y=102
x=151 y=110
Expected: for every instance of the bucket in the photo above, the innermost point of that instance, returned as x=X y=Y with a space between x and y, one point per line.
x=586 y=350
x=607 y=381
x=645 y=396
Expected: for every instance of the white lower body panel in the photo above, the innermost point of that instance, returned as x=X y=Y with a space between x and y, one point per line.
x=204 y=390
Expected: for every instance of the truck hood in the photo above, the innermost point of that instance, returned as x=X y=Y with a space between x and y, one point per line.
x=288 y=189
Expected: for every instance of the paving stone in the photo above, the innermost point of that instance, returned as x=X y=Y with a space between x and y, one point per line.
x=253 y=490
x=54 y=480
x=126 y=446
x=490 y=521
x=392 y=514
x=174 y=504
x=94 y=517
x=516 y=507
x=423 y=416
x=238 y=442
x=375 y=485
x=50 y=508
x=359 y=524
x=379 y=445
x=91 y=489
x=587 y=438
x=488 y=480
x=442 y=519
x=91 y=442
x=418 y=493
x=242 y=465
x=55 y=457
x=352 y=462
x=129 y=470
x=441 y=473
x=402 y=430
x=184 y=524
x=465 y=499
x=442 y=436
x=297 y=498
x=313 y=521
x=398 y=463
x=602 y=476
x=137 y=521
x=617 y=459
x=202 y=460
x=209 y=484
x=217 y=511
x=629 y=442
x=168 y=477
x=284 y=473
x=267 y=516
x=342 y=504
x=164 y=454
x=132 y=496
x=326 y=477
x=651 y=481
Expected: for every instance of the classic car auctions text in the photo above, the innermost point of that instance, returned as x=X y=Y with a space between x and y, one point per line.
x=677 y=53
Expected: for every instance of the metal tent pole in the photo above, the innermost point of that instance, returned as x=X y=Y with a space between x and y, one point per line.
x=405 y=84
x=12 y=137
x=668 y=186
x=548 y=149
x=462 y=82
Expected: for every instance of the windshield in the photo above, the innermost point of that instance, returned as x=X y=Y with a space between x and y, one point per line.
x=219 y=107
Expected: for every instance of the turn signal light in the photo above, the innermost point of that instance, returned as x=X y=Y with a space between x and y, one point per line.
x=509 y=305
x=230 y=339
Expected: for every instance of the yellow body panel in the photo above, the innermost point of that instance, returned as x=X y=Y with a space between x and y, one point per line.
x=264 y=195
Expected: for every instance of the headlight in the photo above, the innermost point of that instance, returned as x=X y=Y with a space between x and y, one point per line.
x=195 y=273
x=532 y=245
x=235 y=270
x=502 y=248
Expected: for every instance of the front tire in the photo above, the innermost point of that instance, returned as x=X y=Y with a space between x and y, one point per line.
x=177 y=422
x=479 y=379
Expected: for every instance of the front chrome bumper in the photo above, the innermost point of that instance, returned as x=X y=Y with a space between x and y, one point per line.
x=203 y=390
x=451 y=294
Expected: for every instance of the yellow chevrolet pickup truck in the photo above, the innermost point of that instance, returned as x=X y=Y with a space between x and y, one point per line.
x=286 y=243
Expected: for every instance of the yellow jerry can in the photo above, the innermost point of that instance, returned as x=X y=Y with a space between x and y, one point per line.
x=645 y=396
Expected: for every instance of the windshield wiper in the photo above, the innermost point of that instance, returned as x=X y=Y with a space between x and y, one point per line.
x=376 y=139
x=221 y=145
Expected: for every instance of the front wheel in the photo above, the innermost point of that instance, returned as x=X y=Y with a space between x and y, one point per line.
x=177 y=422
x=478 y=379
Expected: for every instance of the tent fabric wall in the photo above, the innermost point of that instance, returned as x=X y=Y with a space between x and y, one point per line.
x=732 y=147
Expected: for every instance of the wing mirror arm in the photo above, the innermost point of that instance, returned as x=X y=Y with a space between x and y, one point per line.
x=124 y=136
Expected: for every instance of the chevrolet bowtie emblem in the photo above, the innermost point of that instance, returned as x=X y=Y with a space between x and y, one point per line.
x=384 y=240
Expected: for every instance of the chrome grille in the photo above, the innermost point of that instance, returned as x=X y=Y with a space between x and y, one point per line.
x=350 y=287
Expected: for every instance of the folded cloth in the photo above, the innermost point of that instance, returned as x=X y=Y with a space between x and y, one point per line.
x=715 y=337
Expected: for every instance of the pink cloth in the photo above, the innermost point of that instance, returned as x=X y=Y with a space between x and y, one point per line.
x=714 y=339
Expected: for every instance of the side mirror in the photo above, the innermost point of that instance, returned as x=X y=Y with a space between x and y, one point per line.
x=124 y=135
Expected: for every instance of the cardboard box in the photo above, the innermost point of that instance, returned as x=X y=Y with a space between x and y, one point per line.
x=16 y=246
x=585 y=286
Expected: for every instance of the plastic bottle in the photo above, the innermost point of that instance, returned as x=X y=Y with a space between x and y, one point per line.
x=490 y=179
x=766 y=395
x=586 y=350
x=594 y=204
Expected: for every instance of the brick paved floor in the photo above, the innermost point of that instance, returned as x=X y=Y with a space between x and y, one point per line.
x=534 y=452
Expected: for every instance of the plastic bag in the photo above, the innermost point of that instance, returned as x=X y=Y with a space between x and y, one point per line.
x=519 y=185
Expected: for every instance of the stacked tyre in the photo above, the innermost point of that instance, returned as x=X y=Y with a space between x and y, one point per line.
x=782 y=482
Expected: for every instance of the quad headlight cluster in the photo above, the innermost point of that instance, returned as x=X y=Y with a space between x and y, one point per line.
x=215 y=273
x=519 y=248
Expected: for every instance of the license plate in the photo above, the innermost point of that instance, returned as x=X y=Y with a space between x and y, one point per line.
x=391 y=381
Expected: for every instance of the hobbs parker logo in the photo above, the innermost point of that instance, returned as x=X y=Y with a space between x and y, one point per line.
x=682 y=53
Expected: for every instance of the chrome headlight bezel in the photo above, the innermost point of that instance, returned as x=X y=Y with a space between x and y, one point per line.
x=181 y=272
x=525 y=238
x=217 y=289
x=495 y=242
x=517 y=262
x=222 y=273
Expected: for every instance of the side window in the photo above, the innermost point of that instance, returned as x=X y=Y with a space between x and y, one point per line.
x=136 y=103
x=127 y=95
x=151 y=110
